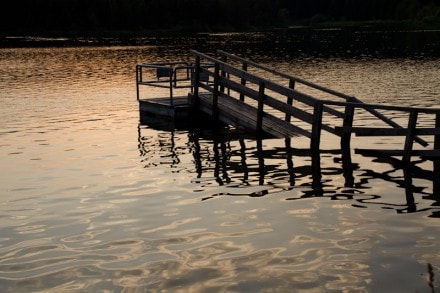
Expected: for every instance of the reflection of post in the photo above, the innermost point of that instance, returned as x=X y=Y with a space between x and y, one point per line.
x=165 y=144
x=225 y=162
x=194 y=139
x=173 y=154
x=243 y=161
x=220 y=146
x=140 y=145
x=290 y=170
x=436 y=173
x=260 y=156
x=217 y=163
x=316 y=177
x=345 y=146
x=407 y=174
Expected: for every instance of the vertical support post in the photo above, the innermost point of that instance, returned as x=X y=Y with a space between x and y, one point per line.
x=244 y=67
x=290 y=99
x=261 y=97
x=316 y=128
x=138 y=79
x=314 y=147
x=436 y=171
x=409 y=141
x=346 y=145
x=196 y=78
x=223 y=73
x=216 y=91
x=171 y=89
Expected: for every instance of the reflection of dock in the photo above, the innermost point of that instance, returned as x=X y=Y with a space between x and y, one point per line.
x=240 y=165
x=263 y=101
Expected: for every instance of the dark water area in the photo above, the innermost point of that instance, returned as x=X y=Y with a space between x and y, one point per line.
x=94 y=200
x=331 y=42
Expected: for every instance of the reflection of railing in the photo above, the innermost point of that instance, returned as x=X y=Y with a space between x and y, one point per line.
x=249 y=164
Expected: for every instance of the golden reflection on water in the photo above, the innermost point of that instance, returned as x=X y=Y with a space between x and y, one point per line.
x=93 y=201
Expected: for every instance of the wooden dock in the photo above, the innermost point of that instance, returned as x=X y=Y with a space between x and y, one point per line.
x=232 y=90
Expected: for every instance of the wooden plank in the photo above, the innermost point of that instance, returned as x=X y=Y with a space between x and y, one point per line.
x=276 y=104
x=241 y=115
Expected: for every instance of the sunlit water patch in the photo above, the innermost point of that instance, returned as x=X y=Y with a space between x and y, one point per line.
x=91 y=200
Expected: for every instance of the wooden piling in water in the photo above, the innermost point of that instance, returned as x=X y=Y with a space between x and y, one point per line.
x=260 y=112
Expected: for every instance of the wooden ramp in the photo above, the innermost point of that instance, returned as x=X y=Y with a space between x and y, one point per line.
x=261 y=100
x=243 y=116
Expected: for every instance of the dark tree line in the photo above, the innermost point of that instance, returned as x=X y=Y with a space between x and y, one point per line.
x=76 y=15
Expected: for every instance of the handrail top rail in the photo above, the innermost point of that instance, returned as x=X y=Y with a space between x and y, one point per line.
x=165 y=65
x=254 y=76
x=383 y=107
x=351 y=100
x=290 y=77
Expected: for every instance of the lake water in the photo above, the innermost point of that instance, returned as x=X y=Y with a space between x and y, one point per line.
x=93 y=201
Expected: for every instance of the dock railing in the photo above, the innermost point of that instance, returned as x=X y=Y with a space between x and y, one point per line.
x=170 y=75
x=232 y=80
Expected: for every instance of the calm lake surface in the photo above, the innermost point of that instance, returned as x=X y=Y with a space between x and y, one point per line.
x=93 y=201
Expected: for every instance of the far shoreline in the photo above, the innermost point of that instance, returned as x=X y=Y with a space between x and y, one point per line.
x=104 y=37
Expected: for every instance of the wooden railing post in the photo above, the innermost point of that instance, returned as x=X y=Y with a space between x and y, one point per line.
x=314 y=147
x=216 y=91
x=346 y=127
x=346 y=145
x=196 y=78
x=244 y=67
x=409 y=140
x=290 y=99
x=260 y=109
x=223 y=73
x=316 y=127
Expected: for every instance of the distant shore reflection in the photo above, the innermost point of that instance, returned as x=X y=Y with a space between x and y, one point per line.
x=234 y=160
